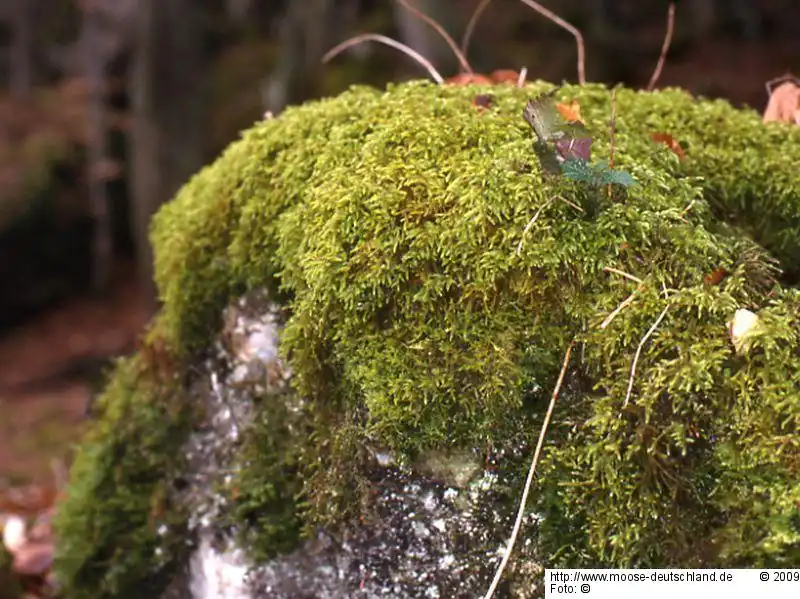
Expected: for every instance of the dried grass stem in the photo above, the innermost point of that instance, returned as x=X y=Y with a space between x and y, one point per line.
x=382 y=39
x=529 y=481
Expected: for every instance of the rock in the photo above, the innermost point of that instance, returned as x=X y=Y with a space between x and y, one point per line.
x=342 y=391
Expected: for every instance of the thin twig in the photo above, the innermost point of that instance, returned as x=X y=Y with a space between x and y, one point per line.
x=782 y=79
x=530 y=223
x=523 y=74
x=664 y=48
x=613 y=125
x=639 y=351
x=625 y=303
x=526 y=489
x=622 y=273
x=571 y=28
x=689 y=207
x=473 y=21
x=375 y=37
x=573 y=204
x=465 y=66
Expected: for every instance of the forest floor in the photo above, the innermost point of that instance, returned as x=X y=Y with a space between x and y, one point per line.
x=49 y=364
x=50 y=367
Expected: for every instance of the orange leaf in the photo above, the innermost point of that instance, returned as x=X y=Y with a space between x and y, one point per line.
x=467 y=79
x=715 y=276
x=670 y=142
x=505 y=76
x=571 y=111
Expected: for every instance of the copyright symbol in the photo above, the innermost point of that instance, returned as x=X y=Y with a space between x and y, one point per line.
x=585 y=588
x=764 y=576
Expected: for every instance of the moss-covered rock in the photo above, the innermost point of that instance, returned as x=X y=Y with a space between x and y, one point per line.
x=428 y=313
x=119 y=532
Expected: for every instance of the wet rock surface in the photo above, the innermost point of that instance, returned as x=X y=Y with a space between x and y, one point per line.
x=245 y=363
x=435 y=528
x=424 y=539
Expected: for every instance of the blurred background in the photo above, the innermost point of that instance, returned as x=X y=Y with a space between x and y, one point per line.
x=108 y=106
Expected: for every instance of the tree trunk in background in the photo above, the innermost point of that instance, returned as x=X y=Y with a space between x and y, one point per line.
x=304 y=38
x=309 y=28
x=94 y=65
x=423 y=38
x=21 y=48
x=167 y=103
x=238 y=9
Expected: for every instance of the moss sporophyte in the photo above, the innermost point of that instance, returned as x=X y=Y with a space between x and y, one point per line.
x=389 y=225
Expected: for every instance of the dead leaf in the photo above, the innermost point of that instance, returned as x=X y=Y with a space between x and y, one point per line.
x=28 y=501
x=784 y=104
x=715 y=276
x=505 y=76
x=670 y=142
x=571 y=112
x=42 y=529
x=498 y=76
x=467 y=79
x=33 y=559
x=578 y=148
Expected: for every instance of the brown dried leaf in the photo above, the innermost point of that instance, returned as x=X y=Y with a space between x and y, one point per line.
x=571 y=112
x=469 y=79
x=42 y=529
x=28 y=501
x=715 y=276
x=670 y=142
x=784 y=104
x=505 y=76
x=33 y=559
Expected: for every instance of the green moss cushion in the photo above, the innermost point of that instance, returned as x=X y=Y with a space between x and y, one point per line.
x=390 y=224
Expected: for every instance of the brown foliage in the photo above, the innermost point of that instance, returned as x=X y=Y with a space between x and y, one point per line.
x=784 y=103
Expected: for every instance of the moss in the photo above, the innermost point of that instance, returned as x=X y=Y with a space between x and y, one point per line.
x=388 y=224
x=267 y=482
x=220 y=233
x=390 y=220
x=119 y=536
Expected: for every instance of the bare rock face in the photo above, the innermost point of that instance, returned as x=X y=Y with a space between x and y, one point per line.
x=428 y=540
x=435 y=528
